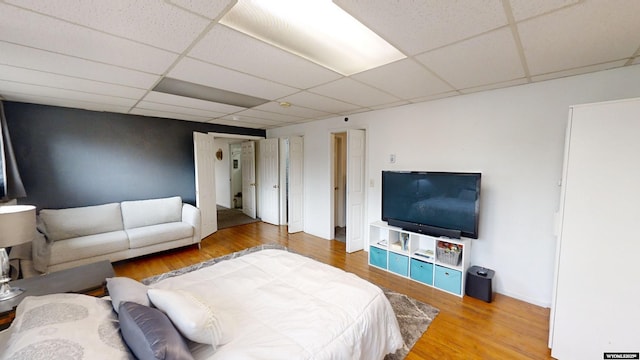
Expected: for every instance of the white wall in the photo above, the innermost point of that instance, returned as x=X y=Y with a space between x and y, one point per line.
x=514 y=136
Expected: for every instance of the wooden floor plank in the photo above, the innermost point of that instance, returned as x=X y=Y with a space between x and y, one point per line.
x=466 y=328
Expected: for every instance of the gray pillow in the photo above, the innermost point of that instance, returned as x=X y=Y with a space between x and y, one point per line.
x=150 y=334
x=125 y=289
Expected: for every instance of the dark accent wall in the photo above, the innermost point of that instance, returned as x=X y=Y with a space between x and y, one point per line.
x=71 y=157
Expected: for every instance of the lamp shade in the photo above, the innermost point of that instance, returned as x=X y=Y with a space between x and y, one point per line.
x=17 y=224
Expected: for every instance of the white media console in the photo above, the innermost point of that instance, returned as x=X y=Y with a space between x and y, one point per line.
x=434 y=261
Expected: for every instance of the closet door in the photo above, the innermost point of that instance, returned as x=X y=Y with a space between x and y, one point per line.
x=595 y=309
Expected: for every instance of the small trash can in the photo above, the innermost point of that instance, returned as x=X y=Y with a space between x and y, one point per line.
x=479 y=283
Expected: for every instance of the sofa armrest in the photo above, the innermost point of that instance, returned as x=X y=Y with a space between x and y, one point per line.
x=191 y=215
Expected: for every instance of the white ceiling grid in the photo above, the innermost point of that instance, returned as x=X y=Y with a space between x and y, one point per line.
x=108 y=55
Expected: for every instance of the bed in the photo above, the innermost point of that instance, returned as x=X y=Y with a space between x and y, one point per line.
x=264 y=303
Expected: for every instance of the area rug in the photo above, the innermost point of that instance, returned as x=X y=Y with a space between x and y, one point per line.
x=413 y=316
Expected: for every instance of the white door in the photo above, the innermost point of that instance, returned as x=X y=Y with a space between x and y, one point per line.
x=296 y=188
x=204 y=157
x=355 y=190
x=248 y=158
x=596 y=297
x=269 y=181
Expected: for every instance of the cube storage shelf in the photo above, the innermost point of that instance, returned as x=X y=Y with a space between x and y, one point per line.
x=417 y=257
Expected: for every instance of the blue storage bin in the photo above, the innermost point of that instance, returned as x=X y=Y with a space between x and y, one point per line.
x=422 y=271
x=399 y=264
x=377 y=257
x=448 y=279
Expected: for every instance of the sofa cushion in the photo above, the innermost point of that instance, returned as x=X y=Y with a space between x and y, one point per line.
x=81 y=221
x=88 y=246
x=151 y=212
x=155 y=234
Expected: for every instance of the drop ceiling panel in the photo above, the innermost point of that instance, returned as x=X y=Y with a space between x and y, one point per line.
x=231 y=49
x=165 y=26
x=148 y=105
x=36 y=90
x=231 y=122
x=271 y=118
x=524 y=9
x=487 y=59
x=578 y=71
x=354 y=92
x=170 y=99
x=418 y=26
x=34 y=77
x=33 y=30
x=208 y=8
x=218 y=77
x=494 y=86
x=293 y=110
x=319 y=102
x=598 y=33
x=406 y=79
x=21 y=56
x=168 y=115
x=45 y=100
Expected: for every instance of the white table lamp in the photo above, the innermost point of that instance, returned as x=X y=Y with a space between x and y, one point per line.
x=17 y=226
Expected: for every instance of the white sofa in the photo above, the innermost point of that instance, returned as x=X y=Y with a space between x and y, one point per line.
x=116 y=231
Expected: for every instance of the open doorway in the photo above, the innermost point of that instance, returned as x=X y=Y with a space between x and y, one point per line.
x=340 y=185
x=348 y=188
x=229 y=185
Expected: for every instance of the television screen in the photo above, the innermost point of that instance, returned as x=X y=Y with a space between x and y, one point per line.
x=437 y=199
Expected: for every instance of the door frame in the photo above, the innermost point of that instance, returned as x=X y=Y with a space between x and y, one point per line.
x=236 y=137
x=331 y=133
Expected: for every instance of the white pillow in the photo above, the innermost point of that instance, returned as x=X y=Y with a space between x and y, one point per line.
x=193 y=317
x=123 y=289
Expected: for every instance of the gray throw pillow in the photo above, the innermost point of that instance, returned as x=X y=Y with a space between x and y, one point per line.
x=150 y=334
x=123 y=289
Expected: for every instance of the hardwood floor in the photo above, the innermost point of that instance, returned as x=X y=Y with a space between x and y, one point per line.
x=466 y=328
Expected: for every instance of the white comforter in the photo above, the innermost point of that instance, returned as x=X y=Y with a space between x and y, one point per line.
x=287 y=306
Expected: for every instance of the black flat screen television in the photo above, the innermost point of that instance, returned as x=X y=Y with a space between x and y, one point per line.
x=435 y=203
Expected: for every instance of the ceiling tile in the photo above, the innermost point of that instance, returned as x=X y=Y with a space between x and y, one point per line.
x=168 y=115
x=170 y=99
x=398 y=103
x=165 y=26
x=231 y=122
x=494 y=86
x=217 y=77
x=231 y=49
x=208 y=8
x=30 y=29
x=483 y=60
x=436 y=96
x=61 y=102
x=293 y=110
x=599 y=33
x=14 y=87
x=405 y=79
x=578 y=71
x=269 y=117
x=418 y=26
x=318 y=102
x=354 y=92
x=148 y=105
x=34 y=77
x=21 y=56
x=524 y=9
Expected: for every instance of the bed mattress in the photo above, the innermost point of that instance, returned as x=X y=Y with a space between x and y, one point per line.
x=287 y=306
